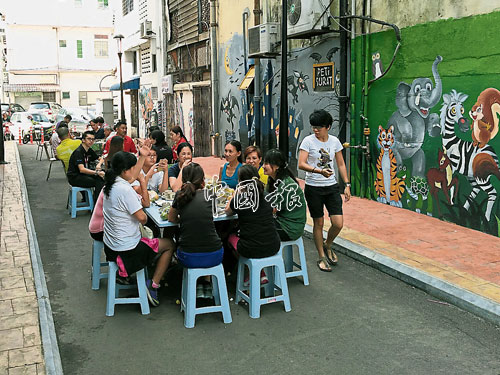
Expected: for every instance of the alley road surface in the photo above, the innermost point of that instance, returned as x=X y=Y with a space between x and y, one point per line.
x=355 y=320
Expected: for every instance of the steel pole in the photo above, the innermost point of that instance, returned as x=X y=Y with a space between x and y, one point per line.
x=121 y=87
x=2 y=145
x=283 y=133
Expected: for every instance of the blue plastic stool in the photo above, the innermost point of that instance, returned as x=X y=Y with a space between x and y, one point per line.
x=273 y=264
x=97 y=248
x=73 y=205
x=287 y=250
x=188 y=294
x=114 y=289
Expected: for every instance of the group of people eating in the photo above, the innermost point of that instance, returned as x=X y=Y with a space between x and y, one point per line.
x=279 y=214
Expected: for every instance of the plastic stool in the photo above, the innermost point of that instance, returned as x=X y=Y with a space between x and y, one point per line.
x=287 y=250
x=73 y=205
x=114 y=289
x=97 y=248
x=188 y=294
x=255 y=266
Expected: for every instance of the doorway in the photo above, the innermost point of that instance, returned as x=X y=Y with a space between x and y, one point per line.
x=202 y=120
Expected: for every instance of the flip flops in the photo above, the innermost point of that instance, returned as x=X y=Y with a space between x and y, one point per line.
x=330 y=255
x=325 y=263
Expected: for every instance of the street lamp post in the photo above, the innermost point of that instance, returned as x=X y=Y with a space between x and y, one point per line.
x=119 y=38
x=283 y=133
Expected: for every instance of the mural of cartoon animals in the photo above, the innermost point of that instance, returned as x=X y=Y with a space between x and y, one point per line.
x=329 y=55
x=227 y=105
x=388 y=186
x=442 y=178
x=377 y=67
x=297 y=83
x=476 y=163
x=484 y=116
x=413 y=119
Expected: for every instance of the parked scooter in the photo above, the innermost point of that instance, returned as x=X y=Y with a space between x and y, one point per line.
x=7 y=134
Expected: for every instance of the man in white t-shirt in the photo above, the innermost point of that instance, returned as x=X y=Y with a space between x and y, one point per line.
x=316 y=155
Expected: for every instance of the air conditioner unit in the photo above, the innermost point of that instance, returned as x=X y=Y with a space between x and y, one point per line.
x=263 y=40
x=307 y=18
x=147 y=30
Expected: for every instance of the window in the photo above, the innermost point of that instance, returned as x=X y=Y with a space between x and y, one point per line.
x=49 y=96
x=127 y=6
x=65 y=95
x=102 y=4
x=62 y=43
x=134 y=62
x=79 y=49
x=153 y=62
x=101 y=46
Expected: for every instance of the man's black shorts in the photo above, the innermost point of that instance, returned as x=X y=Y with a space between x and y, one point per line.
x=319 y=196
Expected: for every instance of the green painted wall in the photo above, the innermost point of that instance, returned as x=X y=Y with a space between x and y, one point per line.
x=471 y=63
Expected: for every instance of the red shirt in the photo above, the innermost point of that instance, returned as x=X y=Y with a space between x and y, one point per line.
x=174 y=147
x=128 y=145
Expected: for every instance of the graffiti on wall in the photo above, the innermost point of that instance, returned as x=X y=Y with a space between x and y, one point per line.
x=146 y=107
x=236 y=106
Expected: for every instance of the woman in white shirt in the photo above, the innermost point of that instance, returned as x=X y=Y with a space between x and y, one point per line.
x=122 y=210
x=316 y=158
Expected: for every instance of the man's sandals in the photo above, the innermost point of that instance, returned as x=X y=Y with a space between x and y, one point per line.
x=323 y=265
x=330 y=255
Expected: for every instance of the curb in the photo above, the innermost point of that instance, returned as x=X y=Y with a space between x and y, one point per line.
x=462 y=298
x=50 y=347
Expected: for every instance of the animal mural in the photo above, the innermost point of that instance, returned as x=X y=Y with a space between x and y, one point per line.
x=377 y=67
x=227 y=105
x=484 y=116
x=442 y=178
x=297 y=83
x=411 y=121
x=475 y=162
x=388 y=186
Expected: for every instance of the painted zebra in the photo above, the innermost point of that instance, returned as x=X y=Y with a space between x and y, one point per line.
x=474 y=162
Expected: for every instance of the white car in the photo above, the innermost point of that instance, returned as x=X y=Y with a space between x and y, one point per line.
x=25 y=121
x=49 y=109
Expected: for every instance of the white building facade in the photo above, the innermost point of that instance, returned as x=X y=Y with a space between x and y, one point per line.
x=59 y=51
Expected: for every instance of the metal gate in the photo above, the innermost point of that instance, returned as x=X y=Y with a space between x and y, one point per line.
x=202 y=116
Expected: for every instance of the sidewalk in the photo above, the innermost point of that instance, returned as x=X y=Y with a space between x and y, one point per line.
x=454 y=263
x=20 y=343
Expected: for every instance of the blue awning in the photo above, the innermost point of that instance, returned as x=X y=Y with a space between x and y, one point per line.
x=132 y=84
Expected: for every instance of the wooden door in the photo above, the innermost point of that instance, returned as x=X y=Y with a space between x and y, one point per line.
x=202 y=120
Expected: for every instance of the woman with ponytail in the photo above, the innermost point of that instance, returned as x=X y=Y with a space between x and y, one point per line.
x=123 y=214
x=291 y=218
x=258 y=237
x=199 y=245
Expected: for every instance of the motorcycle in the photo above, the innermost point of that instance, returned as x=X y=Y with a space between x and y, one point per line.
x=7 y=134
x=37 y=134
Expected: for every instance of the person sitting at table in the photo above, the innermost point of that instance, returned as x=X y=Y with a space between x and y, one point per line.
x=162 y=150
x=253 y=156
x=177 y=137
x=67 y=146
x=185 y=152
x=64 y=122
x=55 y=140
x=199 y=245
x=96 y=128
x=115 y=145
x=229 y=171
x=123 y=215
x=128 y=143
x=153 y=173
x=290 y=217
x=79 y=172
x=257 y=237
x=108 y=132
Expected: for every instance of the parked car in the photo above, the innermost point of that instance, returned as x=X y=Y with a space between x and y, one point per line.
x=49 y=109
x=80 y=119
x=9 y=109
x=25 y=121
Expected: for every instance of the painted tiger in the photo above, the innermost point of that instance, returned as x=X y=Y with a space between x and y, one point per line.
x=388 y=186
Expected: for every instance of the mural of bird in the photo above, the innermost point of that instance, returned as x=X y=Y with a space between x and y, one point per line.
x=377 y=68
x=315 y=56
x=331 y=52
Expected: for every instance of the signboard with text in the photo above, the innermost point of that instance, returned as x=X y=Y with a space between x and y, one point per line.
x=323 y=76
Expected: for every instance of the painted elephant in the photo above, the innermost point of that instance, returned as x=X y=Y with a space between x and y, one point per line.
x=412 y=119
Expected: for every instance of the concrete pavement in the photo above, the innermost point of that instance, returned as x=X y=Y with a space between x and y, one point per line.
x=20 y=340
x=457 y=264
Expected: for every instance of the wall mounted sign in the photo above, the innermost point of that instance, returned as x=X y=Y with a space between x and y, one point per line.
x=323 y=79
